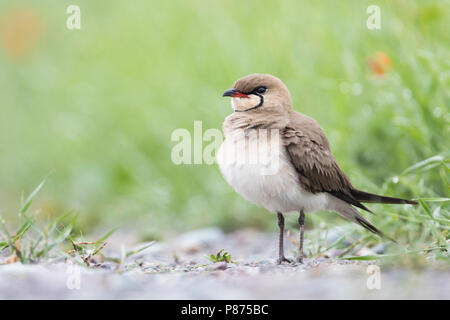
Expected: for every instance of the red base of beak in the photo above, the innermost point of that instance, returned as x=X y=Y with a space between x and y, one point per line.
x=239 y=95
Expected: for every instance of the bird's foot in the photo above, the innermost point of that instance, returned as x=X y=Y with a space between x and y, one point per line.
x=283 y=259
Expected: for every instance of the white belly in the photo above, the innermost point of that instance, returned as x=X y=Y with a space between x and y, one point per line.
x=270 y=180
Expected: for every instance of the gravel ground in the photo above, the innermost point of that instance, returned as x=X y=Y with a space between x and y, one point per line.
x=161 y=274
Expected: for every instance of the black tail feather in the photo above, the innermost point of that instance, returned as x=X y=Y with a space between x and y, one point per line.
x=374 y=198
x=366 y=224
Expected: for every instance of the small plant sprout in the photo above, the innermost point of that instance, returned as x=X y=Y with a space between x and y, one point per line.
x=220 y=256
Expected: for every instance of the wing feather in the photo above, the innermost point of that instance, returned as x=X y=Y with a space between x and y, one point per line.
x=310 y=154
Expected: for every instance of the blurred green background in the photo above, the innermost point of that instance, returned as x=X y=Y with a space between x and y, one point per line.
x=97 y=106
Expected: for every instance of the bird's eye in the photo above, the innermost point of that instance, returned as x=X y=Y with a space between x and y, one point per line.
x=261 y=90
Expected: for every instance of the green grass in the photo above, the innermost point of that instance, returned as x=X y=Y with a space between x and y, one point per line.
x=55 y=240
x=98 y=106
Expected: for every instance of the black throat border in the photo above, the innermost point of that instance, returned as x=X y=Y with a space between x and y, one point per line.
x=261 y=101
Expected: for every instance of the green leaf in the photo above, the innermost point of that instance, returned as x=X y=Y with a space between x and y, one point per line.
x=422 y=164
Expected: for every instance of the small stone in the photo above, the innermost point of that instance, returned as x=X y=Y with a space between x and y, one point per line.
x=219 y=266
x=379 y=249
x=267 y=261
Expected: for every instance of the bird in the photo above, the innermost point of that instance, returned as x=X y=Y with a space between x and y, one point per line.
x=281 y=159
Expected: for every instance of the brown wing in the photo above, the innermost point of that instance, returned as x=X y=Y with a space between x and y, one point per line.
x=310 y=154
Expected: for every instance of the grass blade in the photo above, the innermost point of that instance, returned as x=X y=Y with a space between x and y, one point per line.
x=426 y=208
x=107 y=235
x=422 y=164
x=437 y=199
x=133 y=252
x=369 y=257
x=30 y=198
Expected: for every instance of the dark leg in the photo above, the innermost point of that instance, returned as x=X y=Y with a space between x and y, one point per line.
x=301 y=222
x=281 y=257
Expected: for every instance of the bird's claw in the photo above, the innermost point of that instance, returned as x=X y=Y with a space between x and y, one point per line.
x=282 y=260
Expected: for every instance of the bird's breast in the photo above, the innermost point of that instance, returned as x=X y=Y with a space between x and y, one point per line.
x=256 y=164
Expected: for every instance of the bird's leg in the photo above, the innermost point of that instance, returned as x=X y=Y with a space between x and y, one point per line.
x=301 y=222
x=281 y=257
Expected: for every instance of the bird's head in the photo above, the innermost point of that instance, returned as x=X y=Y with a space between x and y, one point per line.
x=259 y=93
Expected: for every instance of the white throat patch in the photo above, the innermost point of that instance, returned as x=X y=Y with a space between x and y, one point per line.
x=242 y=104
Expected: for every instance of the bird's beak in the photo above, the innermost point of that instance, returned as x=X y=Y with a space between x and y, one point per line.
x=234 y=94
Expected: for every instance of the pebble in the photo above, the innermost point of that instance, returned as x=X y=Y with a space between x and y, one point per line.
x=219 y=266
